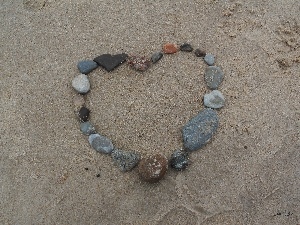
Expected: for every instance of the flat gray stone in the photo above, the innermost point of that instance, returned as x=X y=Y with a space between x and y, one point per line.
x=87 y=128
x=200 y=129
x=214 y=99
x=86 y=66
x=156 y=57
x=209 y=59
x=100 y=143
x=81 y=84
x=213 y=77
x=125 y=160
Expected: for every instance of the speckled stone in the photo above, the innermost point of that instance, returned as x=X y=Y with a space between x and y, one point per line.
x=86 y=66
x=156 y=57
x=186 y=47
x=200 y=129
x=139 y=63
x=170 y=48
x=125 y=160
x=209 y=59
x=87 y=128
x=100 y=143
x=152 y=168
x=83 y=114
x=213 y=77
x=200 y=53
x=214 y=99
x=81 y=84
x=179 y=160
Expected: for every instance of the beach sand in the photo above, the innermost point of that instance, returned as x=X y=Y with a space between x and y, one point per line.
x=248 y=174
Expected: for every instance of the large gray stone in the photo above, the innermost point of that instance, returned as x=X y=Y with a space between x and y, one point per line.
x=100 y=143
x=200 y=129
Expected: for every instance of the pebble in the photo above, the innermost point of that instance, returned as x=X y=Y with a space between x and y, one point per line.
x=87 y=128
x=156 y=57
x=125 y=160
x=152 y=168
x=213 y=77
x=86 y=66
x=186 y=47
x=170 y=48
x=199 y=53
x=110 y=62
x=214 y=99
x=179 y=160
x=200 y=129
x=81 y=84
x=209 y=59
x=139 y=63
x=78 y=101
x=83 y=114
x=100 y=143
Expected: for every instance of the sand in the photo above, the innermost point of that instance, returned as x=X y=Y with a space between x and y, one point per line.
x=248 y=174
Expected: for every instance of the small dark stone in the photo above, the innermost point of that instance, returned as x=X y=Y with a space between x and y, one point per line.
x=179 y=160
x=156 y=57
x=200 y=53
x=186 y=47
x=98 y=175
x=83 y=114
x=110 y=62
x=86 y=168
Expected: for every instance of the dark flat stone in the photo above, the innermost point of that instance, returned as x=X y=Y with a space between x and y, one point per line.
x=110 y=62
x=200 y=129
x=156 y=57
x=186 y=47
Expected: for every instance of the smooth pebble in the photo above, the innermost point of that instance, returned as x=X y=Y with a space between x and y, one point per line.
x=86 y=66
x=87 y=128
x=81 y=83
x=110 y=62
x=101 y=143
x=213 y=77
x=199 y=53
x=186 y=47
x=156 y=57
x=170 y=48
x=214 y=99
x=209 y=59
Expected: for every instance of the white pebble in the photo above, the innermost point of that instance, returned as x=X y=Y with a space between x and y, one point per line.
x=81 y=83
x=214 y=100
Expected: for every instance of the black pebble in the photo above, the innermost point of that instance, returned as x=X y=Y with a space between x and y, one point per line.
x=186 y=47
x=110 y=62
x=83 y=114
x=200 y=53
x=179 y=160
x=98 y=175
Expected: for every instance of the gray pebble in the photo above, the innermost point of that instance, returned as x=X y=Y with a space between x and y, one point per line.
x=81 y=84
x=86 y=66
x=213 y=77
x=125 y=160
x=214 y=99
x=179 y=160
x=156 y=57
x=209 y=59
x=200 y=129
x=87 y=128
x=100 y=143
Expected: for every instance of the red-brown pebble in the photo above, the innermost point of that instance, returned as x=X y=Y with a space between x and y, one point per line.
x=170 y=48
x=153 y=168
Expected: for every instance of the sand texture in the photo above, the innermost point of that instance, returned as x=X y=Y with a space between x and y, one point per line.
x=248 y=174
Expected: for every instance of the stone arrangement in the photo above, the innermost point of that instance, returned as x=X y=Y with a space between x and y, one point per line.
x=196 y=133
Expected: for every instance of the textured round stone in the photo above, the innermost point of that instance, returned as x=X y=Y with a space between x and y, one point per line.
x=156 y=57
x=125 y=160
x=100 y=143
x=179 y=160
x=209 y=59
x=199 y=53
x=83 y=114
x=153 y=167
x=213 y=77
x=78 y=101
x=170 y=48
x=81 y=83
x=86 y=66
x=214 y=99
x=186 y=47
x=200 y=129
x=87 y=128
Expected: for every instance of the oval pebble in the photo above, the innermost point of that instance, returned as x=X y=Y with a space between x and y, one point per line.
x=152 y=168
x=209 y=59
x=100 y=143
x=170 y=48
x=83 y=114
x=81 y=84
x=86 y=66
x=199 y=53
x=179 y=160
x=186 y=47
x=125 y=160
x=214 y=99
x=156 y=57
x=213 y=77
x=87 y=128
x=200 y=129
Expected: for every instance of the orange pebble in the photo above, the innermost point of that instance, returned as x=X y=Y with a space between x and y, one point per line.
x=170 y=48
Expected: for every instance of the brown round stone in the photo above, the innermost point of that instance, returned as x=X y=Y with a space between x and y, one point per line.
x=170 y=48
x=153 y=167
